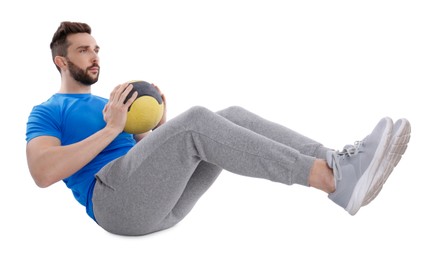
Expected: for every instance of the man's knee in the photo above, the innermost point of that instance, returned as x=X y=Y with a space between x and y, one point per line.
x=197 y=112
x=232 y=113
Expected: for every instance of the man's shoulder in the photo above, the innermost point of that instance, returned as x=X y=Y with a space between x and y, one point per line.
x=46 y=104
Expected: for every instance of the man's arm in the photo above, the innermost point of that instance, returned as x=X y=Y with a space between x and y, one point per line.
x=50 y=162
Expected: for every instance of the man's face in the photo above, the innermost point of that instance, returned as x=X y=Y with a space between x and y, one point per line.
x=84 y=76
x=82 y=58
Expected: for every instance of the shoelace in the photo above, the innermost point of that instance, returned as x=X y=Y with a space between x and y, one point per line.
x=348 y=151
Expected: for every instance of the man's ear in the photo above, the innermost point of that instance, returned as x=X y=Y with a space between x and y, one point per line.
x=60 y=62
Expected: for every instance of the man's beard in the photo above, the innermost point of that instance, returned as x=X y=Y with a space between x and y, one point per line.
x=81 y=75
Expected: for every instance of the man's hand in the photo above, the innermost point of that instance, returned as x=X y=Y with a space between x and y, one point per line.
x=115 y=111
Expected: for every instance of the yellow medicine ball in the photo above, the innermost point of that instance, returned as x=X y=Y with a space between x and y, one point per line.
x=146 y=111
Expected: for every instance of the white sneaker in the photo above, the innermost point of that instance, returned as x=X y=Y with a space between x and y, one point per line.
x=357 y=166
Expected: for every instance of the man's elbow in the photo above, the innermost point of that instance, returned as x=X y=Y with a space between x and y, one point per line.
x=42 y=180
x=42 y=184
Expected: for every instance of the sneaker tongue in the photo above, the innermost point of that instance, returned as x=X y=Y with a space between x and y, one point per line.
x=330 y=158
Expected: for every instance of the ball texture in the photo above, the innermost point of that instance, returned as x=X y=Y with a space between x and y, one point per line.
x=146 y=111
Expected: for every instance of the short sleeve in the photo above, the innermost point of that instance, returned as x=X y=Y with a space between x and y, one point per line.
x=43 y=121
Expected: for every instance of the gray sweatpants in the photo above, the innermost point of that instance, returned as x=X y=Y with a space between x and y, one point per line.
x=157 y=183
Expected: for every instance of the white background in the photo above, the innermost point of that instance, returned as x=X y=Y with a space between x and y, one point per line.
x=327 y=69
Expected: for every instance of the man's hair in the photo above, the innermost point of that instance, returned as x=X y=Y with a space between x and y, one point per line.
x=59 y=44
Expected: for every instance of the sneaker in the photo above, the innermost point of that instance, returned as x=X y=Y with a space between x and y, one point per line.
x=398 y=144
x=356 y=166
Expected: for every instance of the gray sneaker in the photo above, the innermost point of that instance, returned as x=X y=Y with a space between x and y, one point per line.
x=356 y=166
x=398 y=144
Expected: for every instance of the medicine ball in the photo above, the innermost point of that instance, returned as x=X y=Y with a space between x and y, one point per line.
x=146 y=111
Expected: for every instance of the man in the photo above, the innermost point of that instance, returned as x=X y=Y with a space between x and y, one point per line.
x=136 y=185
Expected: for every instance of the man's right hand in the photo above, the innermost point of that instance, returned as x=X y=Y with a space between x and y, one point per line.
x=115 y=111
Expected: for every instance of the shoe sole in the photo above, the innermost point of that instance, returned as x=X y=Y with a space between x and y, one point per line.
x=363 y=186
x=398 y=144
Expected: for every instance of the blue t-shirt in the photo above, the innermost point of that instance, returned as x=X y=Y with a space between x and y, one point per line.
x=72 y=118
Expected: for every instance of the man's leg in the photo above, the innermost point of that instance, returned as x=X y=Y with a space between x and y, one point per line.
x=139 y=193
x=206 y=173
x=201 y=180
x=274 y=131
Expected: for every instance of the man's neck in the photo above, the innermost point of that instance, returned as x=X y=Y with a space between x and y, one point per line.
x=73 y=87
